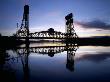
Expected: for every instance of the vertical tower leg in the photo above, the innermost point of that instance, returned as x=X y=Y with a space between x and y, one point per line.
x=70 y=32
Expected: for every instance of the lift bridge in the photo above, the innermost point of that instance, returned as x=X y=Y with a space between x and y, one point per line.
x=24 y=33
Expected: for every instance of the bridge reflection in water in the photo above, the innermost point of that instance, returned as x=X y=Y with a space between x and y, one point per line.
x=24 y=51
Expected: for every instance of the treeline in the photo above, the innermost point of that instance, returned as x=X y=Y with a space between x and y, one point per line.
x=102 y=41
x=9 y=41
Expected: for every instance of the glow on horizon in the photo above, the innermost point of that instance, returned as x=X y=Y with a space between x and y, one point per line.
x=81 y=31
x=90 y=32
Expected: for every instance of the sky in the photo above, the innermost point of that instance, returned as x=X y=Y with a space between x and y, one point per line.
x=91 y=17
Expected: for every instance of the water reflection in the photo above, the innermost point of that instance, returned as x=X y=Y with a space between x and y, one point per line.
x=95 y=57
x=93 y=53
x=33 y=70
x=50 y=50
x=6 y=72
x=23 y=53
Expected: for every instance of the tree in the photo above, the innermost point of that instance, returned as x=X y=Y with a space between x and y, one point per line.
x=0 y=34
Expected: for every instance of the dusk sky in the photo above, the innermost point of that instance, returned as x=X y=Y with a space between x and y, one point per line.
x=91 y=17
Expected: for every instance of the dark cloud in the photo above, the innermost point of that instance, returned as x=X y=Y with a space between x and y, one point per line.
x=95 y=57
x=95 y=24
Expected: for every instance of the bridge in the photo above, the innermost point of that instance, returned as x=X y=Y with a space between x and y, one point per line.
x=24 y=33
x=69 y=37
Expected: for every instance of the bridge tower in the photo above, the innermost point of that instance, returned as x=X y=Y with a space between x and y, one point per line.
x=24 y=28
x=26 y=19
x=70 y=32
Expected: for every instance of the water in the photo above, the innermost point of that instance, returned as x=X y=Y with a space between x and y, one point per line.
x=88 y=63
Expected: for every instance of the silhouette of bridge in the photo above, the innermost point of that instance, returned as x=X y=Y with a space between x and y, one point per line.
x=25 y=51
x=24 y=33
x=50 y=50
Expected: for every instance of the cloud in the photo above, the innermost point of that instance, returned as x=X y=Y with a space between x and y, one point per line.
x=98 y=24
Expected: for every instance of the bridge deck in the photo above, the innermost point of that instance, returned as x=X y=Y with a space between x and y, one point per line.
x=44 y=38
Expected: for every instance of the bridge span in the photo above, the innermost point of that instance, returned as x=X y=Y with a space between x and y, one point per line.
x=24 y=33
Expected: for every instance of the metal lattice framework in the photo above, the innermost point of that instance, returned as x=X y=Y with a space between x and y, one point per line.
x=23 y=31
x=47 y=34
x=70 y=32
x=50 y=51
x=46 y=49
